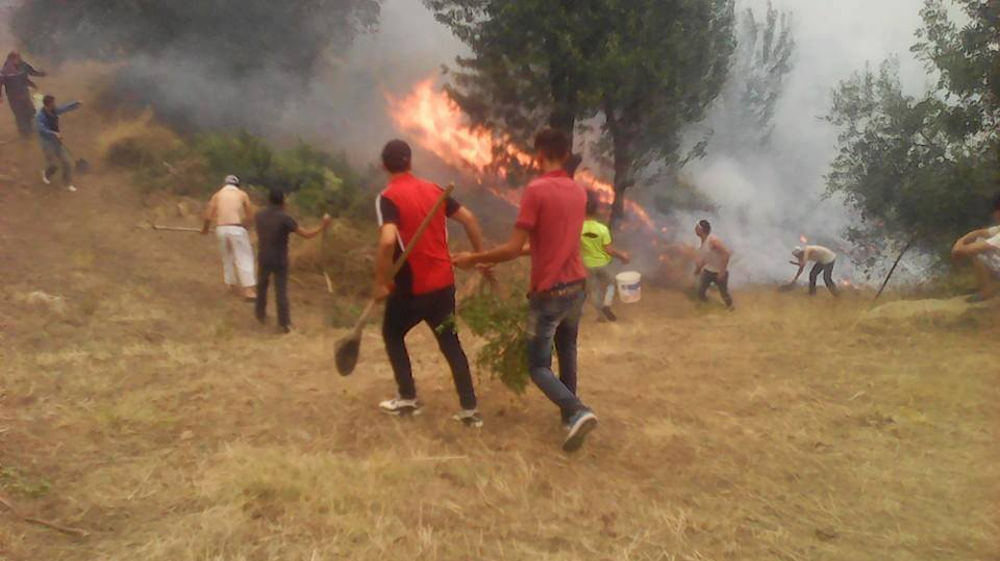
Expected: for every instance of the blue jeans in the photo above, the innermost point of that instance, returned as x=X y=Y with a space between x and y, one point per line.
x=555 y=320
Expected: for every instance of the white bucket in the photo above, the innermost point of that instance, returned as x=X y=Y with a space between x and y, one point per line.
x=629 y=286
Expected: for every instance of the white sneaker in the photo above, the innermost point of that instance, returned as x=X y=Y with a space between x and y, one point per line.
x=469 y=417
x=71 y=189
x=45 y=178
x=399 y=406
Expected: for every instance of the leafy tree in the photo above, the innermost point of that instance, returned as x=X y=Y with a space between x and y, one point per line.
x=923 y=169
x=762 y=60
x=644 y=67
x=178 y=49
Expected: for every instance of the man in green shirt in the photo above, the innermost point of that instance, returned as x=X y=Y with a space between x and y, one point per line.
x=597 y=251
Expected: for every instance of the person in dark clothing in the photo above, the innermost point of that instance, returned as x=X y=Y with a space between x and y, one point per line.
x=50 y=136
x=274 y=226
x=424 y=289
x=15 y=77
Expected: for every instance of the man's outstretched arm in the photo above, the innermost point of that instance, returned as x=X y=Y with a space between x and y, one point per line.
x=313 y=232
x=507 y=252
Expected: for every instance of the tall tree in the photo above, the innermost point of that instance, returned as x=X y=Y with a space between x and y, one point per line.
x=644 y=67
x=923 y=168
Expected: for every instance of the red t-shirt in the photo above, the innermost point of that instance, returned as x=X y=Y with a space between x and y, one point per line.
x=553 y=209
x=405 y=202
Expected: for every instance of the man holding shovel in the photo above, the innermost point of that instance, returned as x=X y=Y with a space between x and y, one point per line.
x=551 y=218
x=423 y=291
x=56 y=154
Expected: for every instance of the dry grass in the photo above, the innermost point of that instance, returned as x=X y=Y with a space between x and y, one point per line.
x=154 y=414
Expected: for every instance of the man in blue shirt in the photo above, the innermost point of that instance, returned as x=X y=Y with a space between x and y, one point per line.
x=56 y=155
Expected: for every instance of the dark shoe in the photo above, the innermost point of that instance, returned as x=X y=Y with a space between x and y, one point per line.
x=284 y=329
x=582 y=423
x=606 y=311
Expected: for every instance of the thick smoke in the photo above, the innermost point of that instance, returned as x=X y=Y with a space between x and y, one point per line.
x=768 y=198
x=764 y=199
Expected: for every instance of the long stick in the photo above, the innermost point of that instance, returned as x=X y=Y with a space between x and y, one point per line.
x=893 y=269
x=174 y=228
x=406 y=253
x=58 y=527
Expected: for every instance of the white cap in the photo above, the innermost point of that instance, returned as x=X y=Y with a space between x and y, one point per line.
x=232 y=180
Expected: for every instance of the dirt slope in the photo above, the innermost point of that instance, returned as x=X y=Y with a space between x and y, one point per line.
x=151 y=411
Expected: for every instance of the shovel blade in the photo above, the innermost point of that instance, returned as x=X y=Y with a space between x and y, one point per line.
x=346 y=354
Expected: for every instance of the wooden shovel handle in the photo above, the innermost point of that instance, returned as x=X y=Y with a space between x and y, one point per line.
x=406 y=252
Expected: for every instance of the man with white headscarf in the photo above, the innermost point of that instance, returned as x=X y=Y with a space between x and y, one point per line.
x=230 y=210
x=824 y=259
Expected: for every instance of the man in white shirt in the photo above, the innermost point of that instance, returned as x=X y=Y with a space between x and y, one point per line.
x=230 y=210
x=824 y=259
x=983 y=248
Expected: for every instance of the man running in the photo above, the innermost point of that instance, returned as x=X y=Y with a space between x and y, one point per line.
x=424 y=289
x=230 y=209
x=982 y=247
x=824 y=259
x=15 y=77
x=551 y=217
x=274 y=226
x=50 y=136
x=713 y=264
x=598 y=253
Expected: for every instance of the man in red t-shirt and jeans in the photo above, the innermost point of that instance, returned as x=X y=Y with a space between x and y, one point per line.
x=424 y=289
x=551 y=218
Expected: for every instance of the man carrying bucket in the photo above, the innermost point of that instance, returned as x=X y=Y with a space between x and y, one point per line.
x=551 y=217
x=598 y=253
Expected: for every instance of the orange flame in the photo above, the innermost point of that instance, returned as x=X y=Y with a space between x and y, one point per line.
x=439 y=126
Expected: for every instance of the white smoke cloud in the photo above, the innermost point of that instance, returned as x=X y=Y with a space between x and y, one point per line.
x=766 y=202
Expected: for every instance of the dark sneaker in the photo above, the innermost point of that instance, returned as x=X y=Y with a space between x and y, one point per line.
x=400 y=407
x=469 y=417
x=579 y=427
x=608 y=314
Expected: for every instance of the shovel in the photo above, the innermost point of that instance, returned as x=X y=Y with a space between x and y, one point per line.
x=347 y=349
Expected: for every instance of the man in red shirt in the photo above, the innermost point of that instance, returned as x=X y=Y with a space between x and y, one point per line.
x=424 y=289
x=551 y=218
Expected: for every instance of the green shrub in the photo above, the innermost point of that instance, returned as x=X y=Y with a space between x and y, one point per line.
x=501 y=322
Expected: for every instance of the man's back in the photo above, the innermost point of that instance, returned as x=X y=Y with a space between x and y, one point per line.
x=593 y=241
x=230 y=206
x=552 y=212
x=820 y=254
x=405 y=202
x=274 y=226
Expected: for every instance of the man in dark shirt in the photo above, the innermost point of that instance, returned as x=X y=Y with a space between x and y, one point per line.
x=274 y=226
x=549 y=223
x=424 y=289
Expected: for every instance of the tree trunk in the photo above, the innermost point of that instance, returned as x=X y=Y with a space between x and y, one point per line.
x=621 y=141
